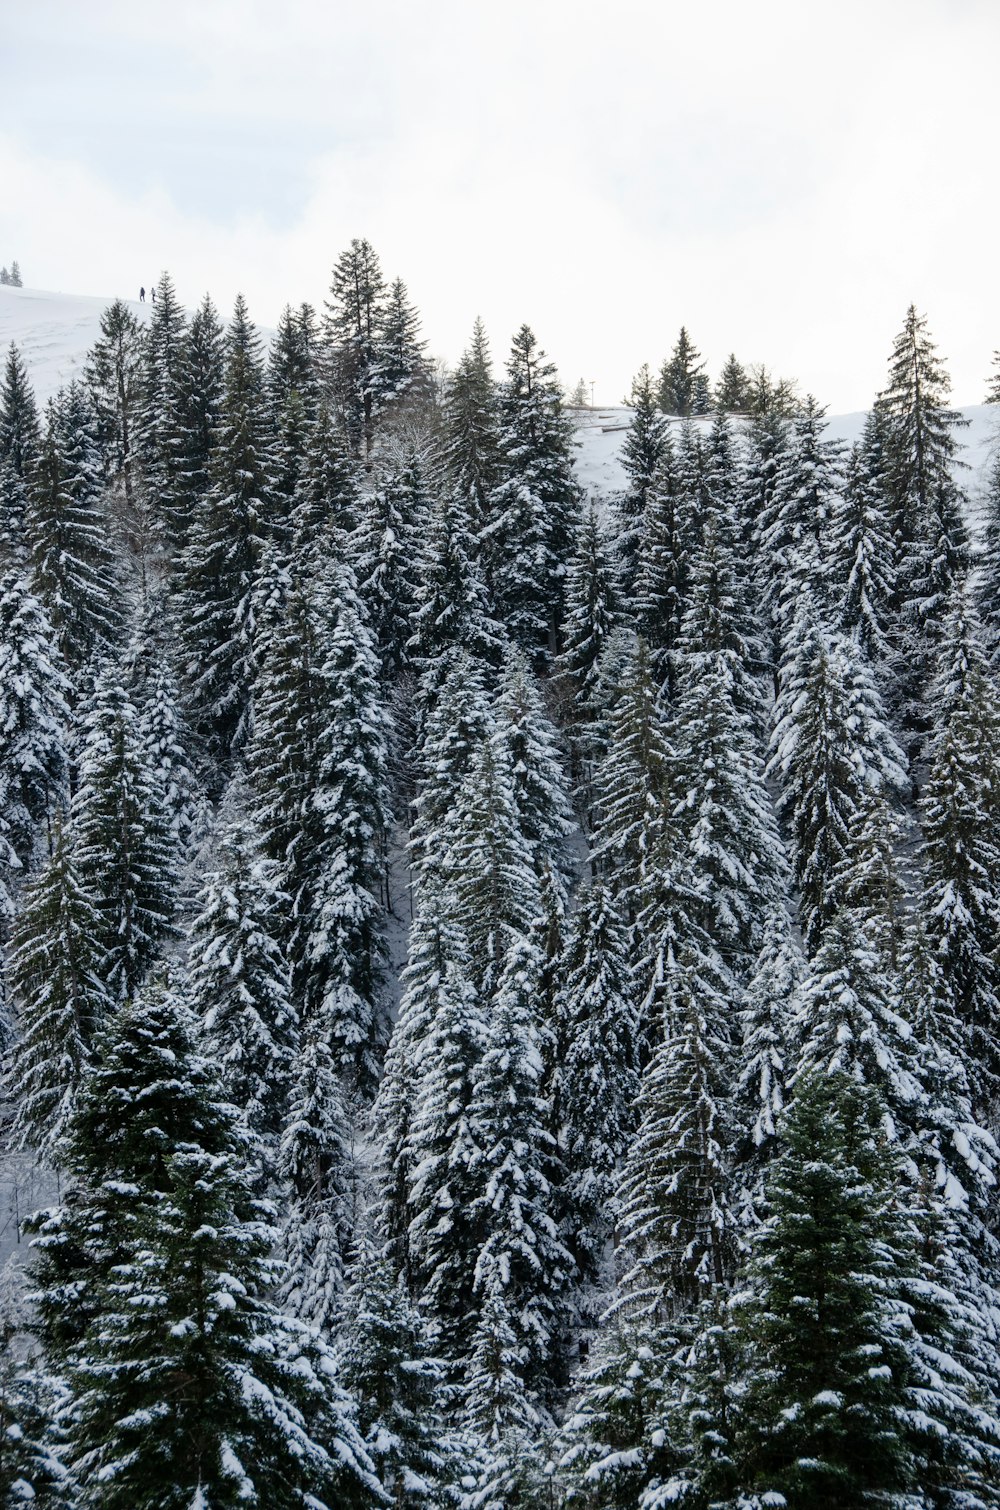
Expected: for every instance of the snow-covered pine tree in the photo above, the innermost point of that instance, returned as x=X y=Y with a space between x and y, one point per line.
x=529 y=742
x=495 y=888
x=168 y=743
x=20 y=433
x=522 y=1260
x=451 y=609
x=644 y=454
x=500 y=1415
x=732 y=390
x=993 y=385
x=534 y=510
x=401 y=378
x=594 y=612
x=385 y=549
x=55 y=983
x=386 y=1360
x=961 y=850
x=675 y=1241
x=680 y=391
x=987 y=578
x=443 y=1150
x=435 y=966
x=457 y=721
x=318 y=766
x=161 y=420
x=768 y=1007
x=472 y=430
x=317 y=1170
x=632 y=785
x=31 y=1468
x=239 y=984
x=824 y=1412
x=33 y=718
x=352 y=331
x=122 y=838
x=202 y=388
x=598 y=1078
x=225 y=540
x=188 y=1385
x=72 y=567
x=292 y=393
x=666 y=538
x=114 y=375
x=864 y=548
x=830 y=745
x=327 y=498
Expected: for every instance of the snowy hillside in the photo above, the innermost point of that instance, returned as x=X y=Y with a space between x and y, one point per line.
x=55 y=331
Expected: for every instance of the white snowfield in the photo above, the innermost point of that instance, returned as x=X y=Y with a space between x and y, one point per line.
x=55 y=331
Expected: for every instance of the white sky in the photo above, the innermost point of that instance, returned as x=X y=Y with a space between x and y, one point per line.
x=782 y=177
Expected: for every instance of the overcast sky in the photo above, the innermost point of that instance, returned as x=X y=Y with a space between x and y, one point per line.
x=781 y=177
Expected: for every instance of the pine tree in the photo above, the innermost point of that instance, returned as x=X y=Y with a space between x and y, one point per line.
x=660 y=594
x=472 y=430
x=598 y=1078
x=825 y=1399
x=167 y=742
x=162 y=419
x=55 y=980
x=401 y=378
x=522 y=1260
x=352 y=329
x=732 y=390
x=534 y=510
x=499 y=1414
x=644 y=455
x=987 y=579
x=188 y=1386
x=451 y=609
x=795 y=527
x=680 y=391
x=830 y=744
x=674 y=1229
x=202 y=390
x=20 y=435
x=318 y=767
x=864 y=550
x=33 y=718
x=31 y=1469
x=114 y=375
x=327 y=498
x=442 y=1152
x=385 y=549
x=226 y=539
x=239 y=984
x=962 y=844
x=993 y=386
x=122 y=837
x=387 y=1363
x=15 y=275
x=72 y=568
x=594 y=612
x=529 y=743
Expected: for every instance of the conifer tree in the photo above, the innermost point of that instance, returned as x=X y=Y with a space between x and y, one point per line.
x=444 y=1192
x=598 y=1077
x=472 y=430
x=451 y=610
x=680 y=391
x=400 y=377
x=522 y=1261
x=987 y=579
x=33 y=718
x=168 y=742
x=188 y=1385
x=864 y=548
x=31 y=1468
x=122 y=837
x=327 y=498
x=239 y=984
x=534 y=510
x=643 y=454
x=385 y=550
x=387 y=1363
x=318 y=765
x=224 y=548
x=20 y=434
x=675 y=1237
x=114 y=375
x=732 y=390
x=528 y=740
x=962 y=844
x=72 y=568
x=662 y=574
x=826 y=1391
x=457 y=721
x=993 y=386
x=55 y=981
x=352 y=330
x=202 y=388
x=795 y=527
x=500 y=1415
x=830 y=744
x=162 y=420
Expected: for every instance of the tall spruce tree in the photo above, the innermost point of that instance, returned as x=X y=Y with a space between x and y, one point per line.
x=472 y=430
x=352 y=328
x=643 y=456
x=188 y=1386
x=34 y=718
x=681 y=392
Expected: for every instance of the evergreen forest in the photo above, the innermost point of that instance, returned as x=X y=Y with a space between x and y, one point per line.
x=501 y=984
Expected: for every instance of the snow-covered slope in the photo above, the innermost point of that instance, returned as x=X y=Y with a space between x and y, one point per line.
x=54 y=332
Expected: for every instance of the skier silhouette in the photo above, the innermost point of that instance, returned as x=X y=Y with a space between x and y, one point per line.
x=152 y=293
x=142 y=296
